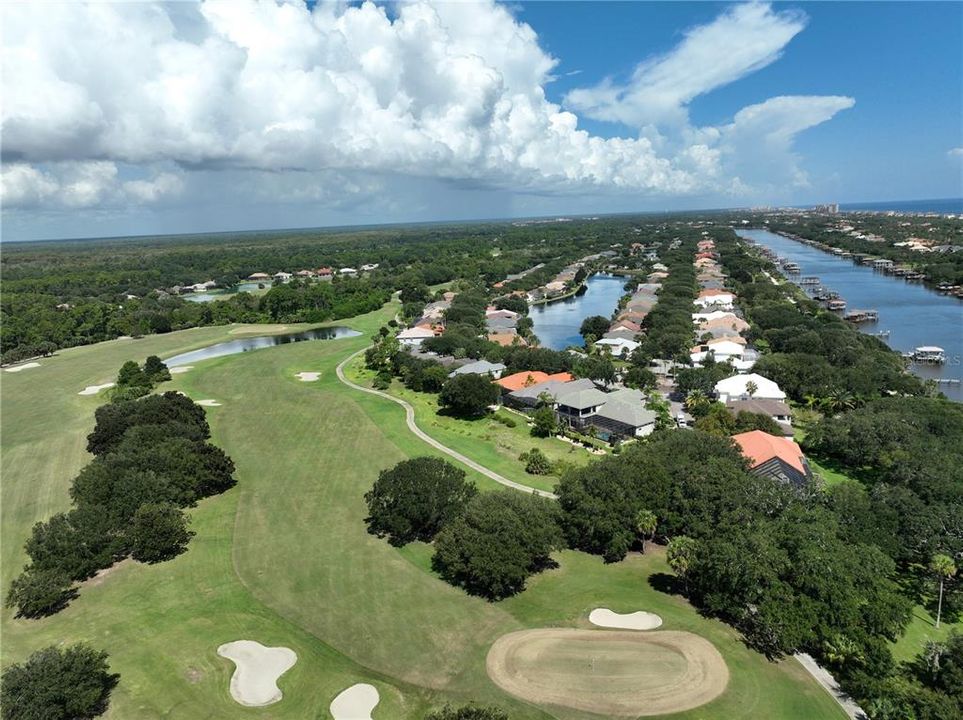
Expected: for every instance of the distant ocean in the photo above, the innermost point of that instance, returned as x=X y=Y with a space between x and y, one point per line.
x=946 y=206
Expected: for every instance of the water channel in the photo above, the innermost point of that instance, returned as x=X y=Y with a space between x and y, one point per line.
x=240 y=345
x=913 y=314
x=557 y=323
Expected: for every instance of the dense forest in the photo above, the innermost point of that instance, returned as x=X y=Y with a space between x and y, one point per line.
x=61 y=294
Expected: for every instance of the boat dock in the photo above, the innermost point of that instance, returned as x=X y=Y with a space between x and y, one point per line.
x=862 y=316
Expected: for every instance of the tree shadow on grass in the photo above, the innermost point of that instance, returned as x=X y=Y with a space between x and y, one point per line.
x=666 y=583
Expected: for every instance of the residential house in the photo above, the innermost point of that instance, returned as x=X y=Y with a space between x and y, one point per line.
x=529 y=396
x=715 y=298
x=480 y=367
x=721 y=349
x=497 y=324
x=414 y=336
x=576 y=404
x=282 y=276
x=527 y=378
x=258 y=277
x=506 y=338
x=774 y=457
x=737 y=388
x=619 y=347
x=778 y=410
x=369 y=267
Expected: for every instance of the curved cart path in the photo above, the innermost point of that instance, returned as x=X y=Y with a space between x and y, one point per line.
x=410 y=420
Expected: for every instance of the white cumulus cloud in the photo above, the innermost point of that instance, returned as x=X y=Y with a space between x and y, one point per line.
x=742 y=40
x=450 y=91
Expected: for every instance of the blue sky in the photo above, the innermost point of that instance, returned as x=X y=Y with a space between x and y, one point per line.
x=265 y=114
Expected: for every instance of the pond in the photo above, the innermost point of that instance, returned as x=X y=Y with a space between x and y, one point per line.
x=912 y=314
x=220 y=294
x=556 y=324
x=233 y=347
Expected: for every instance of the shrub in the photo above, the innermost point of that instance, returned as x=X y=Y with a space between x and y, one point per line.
x=537 y=463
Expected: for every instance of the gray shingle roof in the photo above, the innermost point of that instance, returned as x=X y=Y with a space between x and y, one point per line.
x=480 y=367
x=581 y=399
x=627 y=413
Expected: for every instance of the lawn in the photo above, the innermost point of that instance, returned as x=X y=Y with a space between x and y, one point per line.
x=921 y=629
x=485 y=439
x=284 y=558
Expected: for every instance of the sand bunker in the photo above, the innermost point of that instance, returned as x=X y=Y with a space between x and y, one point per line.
x=209 y=403
x=181 y=369
x=94 y=389
x=609 y=673
x=355 y=703
x=25 y=366
x=308 y=376
x=603 y=617
x=254 y=682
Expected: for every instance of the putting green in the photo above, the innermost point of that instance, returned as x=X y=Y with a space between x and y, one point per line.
x=610 y=673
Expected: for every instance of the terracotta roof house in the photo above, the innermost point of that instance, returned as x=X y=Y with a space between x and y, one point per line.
x=506 y=338
x=625 y=324
x=729 y=322
x=774 y=457
x=526 y=378
x=256 y=277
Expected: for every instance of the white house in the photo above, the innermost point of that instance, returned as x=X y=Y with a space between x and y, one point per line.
x=736 y=388
x=702 y=317
x=413 y=337
x=715 y=298
x=620 y=347
x=481 y=367
x=348 y=271
x=283 y=276
x=369 y=267
x=722 y=349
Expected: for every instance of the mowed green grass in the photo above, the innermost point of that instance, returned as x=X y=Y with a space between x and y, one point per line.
x=484 y=439
x=283 y=558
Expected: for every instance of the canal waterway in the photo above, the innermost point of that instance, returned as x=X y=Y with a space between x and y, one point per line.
x=913 y=314
x=557 y=323
x=240 y=345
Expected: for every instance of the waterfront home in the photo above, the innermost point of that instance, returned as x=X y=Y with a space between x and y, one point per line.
x=660 y=267
x=480 y=367
x=624 y=323
x=506 y=338
x=556 y=287
x=619 y=347
x=656 y=276
x=737 y=388
x=778 y=410
x=414 y=336
x=282 y=276
x=620 y=333
x=496 y=323
x=774 y=457
x=258 y=277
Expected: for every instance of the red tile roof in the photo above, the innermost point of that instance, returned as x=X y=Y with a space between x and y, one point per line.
x=761 y=447
x=524 y=379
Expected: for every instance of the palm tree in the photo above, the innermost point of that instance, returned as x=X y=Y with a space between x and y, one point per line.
x=679 y=555
x=944 y=568
x=751 y=388
x=695 y=399
x=645 y=524
x=811 y=402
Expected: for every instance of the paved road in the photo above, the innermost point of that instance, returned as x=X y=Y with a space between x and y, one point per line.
x=410 y=420
x=824 y=678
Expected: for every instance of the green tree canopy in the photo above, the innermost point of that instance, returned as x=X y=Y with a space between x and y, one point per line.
x=72 y=683
x=468 y=395
x=501 y=539
x=416 y=498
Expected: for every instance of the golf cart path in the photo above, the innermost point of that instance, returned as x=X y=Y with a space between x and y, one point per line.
x=410 y=420
x=824 y=678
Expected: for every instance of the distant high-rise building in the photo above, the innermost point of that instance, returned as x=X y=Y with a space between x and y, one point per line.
x=827 y=209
